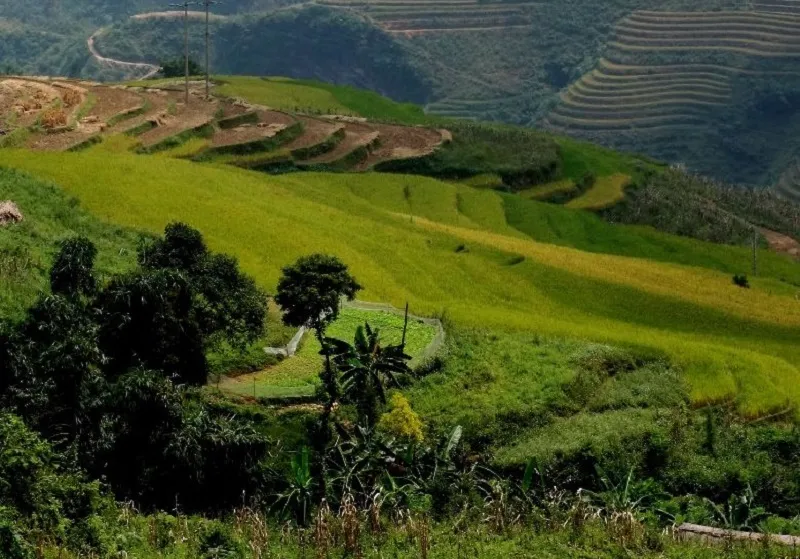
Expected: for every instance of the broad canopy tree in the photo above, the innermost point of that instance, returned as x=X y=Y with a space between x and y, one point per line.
x=104 y=368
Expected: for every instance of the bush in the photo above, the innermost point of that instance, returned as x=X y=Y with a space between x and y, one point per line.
x=218 y=542
x=741 y=281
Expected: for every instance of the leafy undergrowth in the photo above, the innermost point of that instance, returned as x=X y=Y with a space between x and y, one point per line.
x=569 y=406
x=299 y=375
x=250 y=535
x=409 y=238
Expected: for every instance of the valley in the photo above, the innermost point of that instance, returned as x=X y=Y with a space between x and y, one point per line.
x=337 y=305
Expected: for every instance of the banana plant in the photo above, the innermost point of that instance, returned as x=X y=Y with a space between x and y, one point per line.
x=368 y=369
x=299 y=495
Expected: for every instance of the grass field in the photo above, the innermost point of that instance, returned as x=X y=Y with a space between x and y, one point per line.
x=26 y=249
x=606 y=192
x=464 y=262
x=299 y=375
x=545 y=191
x=318 y=97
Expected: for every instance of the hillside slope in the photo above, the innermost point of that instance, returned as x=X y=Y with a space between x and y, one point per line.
x=712 y=85
x=730 y=343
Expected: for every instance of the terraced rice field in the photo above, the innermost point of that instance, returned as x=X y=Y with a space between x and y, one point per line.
x=666 y=77
x=298 y=376
x=412 y=17
x=157 y=119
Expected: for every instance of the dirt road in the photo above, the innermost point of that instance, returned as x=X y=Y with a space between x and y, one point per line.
x=139 y=70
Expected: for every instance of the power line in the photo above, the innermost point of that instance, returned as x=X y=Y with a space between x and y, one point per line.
x=207 y=4
x=185 y=5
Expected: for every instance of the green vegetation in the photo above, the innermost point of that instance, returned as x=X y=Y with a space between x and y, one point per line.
x=281 y=94
x=606 y=192
x=692 y=206
x=599 y=383
x=519 y=157
x=695 y=315
x=27 y=249
x=298 y=376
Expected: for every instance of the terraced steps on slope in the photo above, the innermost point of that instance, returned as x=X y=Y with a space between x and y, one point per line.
x=319 y=136
x=401 y=142
x=605 y=123
x=357 y=136
x=109 y=102
x=184 y=120
x=777 y=6
x=577 y=97
x=587 y=87
x=412 y=17
x=267 y=125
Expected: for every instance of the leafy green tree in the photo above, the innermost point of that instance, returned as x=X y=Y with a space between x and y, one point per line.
x=367 y=368
x=176 y=68
x=72 y=273
x=46 y=360
x=309 y=293
x=181 y=248
x=147 y=320
x=227 y=304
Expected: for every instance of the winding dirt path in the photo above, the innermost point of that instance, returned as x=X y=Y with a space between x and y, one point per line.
x=146 y=70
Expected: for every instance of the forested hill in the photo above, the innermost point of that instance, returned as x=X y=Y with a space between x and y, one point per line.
x=710 y=84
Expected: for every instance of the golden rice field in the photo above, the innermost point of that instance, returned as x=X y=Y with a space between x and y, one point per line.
x=460 y=257
x=606 y=192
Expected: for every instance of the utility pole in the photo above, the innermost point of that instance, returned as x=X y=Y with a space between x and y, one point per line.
x=185 y=5
x=207 y=4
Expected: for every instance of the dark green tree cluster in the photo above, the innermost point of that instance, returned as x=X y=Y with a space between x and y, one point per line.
x=107 y=370
x=176 y=68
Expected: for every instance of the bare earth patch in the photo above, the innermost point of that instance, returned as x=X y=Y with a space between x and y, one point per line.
x=198 y=113
x=315 y=131
x=355 y=136
x=402 y=142
x=781 y=243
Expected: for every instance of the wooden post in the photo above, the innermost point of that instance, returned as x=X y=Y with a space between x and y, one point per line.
x=755 y=251
x=186 y=51
x=405 y=328
x=185 y=5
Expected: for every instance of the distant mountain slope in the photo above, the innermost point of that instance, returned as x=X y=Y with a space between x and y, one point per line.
x=712 y=84
x=717 y=91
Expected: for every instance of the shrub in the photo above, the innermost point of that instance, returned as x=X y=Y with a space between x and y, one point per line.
x=218 y=542
x=741 y=281
x=401 y=421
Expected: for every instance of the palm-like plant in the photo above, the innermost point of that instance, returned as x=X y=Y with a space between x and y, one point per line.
x=299 y=495
x=367 y=369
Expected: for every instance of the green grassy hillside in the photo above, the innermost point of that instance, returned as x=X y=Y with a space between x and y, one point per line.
x=730 y=343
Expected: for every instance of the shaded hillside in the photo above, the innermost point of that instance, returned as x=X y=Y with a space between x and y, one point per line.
x=313 y=42
x=717 y=91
